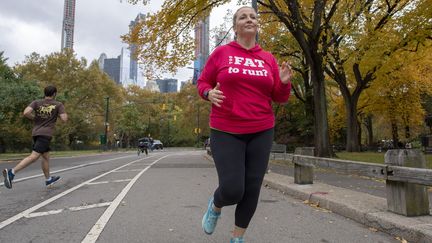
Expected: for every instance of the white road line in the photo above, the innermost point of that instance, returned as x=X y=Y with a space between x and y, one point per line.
x=97 y=229
x=132 y=170
x=98 y=183
x=52 y=212
x=105 y=182
x=97 y=205
x=124 y=180
x=48 y=201
x=70 y=168
x=40 y=214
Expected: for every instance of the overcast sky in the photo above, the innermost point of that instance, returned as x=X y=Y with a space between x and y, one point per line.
x=28 y=26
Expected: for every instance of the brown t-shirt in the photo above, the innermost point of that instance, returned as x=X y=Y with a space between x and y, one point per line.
x=46 y=113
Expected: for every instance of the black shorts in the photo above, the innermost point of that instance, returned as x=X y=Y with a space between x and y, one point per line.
x=41 y=144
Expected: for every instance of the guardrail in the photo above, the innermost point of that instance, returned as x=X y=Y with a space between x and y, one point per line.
x=404 y=172
x=278 y=148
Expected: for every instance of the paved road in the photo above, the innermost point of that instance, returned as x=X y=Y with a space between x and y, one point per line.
x=159 y=198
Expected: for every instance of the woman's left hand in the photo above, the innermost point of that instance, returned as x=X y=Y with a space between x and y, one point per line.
x=285 y=73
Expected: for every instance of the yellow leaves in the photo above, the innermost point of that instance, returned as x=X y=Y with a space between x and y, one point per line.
x=373 y=229
x=402 y=240
x=316 y=206
x=164 y=39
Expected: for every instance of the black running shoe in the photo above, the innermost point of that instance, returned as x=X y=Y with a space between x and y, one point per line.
x=52 y=180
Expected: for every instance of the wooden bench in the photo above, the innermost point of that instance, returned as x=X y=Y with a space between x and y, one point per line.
x=278 y=148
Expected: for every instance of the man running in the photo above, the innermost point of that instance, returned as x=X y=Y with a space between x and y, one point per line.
x=44 y=113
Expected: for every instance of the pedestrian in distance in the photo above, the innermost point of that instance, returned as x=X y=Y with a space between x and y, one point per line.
x=143 y=147
x=44 y=113
x=241 y=80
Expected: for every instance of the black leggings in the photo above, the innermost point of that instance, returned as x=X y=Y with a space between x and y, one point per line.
x=241 y=161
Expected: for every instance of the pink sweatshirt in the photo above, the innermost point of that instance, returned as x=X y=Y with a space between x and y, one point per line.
x=249 y=79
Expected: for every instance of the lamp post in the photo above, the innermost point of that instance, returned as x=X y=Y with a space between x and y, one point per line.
x=198 y=124
x=106 y=123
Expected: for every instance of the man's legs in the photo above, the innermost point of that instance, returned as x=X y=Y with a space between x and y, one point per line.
x=9 y=174
x=26 y=162
x=45 y=164
x=49 y=180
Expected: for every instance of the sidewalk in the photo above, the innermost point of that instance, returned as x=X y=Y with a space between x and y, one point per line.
x=364 y=208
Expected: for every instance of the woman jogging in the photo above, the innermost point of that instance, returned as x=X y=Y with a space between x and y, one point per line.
x=241 y=80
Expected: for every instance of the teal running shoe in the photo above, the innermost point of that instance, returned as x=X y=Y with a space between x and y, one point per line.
x=210 y=218
x=237 y=240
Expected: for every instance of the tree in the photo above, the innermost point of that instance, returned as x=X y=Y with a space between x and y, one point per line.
x=274 y=36
x=398 y=90
x=306 y=21
x=81 y=89
x=356 y=50
x=164 y=39
x=15 y=94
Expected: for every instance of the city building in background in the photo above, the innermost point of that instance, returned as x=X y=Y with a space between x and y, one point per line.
x=201 y=46
x=119 y=69
x=151 y=86
x=167 y=85
x=125 y=70
x=68 y=24
x=135 y=74
x=110 y=66
x=125 y=61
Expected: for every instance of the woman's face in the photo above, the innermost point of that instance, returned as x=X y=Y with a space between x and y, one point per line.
x=246 y=22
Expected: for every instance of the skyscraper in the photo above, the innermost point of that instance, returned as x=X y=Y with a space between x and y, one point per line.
x=118 y=68
x=201 y=46
x=167 y=85
x=68 y=24
x=111 y=66
x=134 y=66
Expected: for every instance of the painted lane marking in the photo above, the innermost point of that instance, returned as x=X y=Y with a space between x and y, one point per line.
x=106 y=182
x=40 y=214
x=97 y=229
x=73 y=209
x=48 y=201
x=131 y=170
x=97 y=205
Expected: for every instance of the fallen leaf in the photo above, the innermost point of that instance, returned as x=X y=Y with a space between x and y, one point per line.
x=373 y=229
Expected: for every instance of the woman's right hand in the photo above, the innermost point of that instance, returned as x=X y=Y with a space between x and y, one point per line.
x=216 y=96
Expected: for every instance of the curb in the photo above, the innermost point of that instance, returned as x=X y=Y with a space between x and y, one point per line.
x=363 y=208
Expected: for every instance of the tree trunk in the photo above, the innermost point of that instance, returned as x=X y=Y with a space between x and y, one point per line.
x=395 y=135
x=322 y=144
x=352 y=143
x=369 y=129
x=309 y=108
x=309 y=41
x=359 y=135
